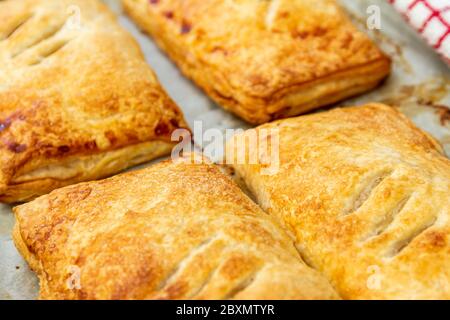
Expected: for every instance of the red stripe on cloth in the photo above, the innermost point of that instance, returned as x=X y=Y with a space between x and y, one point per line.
x=441 y=40
x=438 y=14
x=415 y=3
x=435 y=14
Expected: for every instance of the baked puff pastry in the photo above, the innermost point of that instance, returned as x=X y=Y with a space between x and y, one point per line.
x=264 y=60
x=77 y=99
x=367 y=195
x=177 y=230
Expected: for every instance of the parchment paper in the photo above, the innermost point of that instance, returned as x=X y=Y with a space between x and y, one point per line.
x=419 y=86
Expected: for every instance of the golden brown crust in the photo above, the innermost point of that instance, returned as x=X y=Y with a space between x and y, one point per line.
x=74 y=85
x=367 y=195
x=265 y=59
x=172 y=231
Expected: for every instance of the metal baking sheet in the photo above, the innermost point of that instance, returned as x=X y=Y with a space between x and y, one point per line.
x=419 y=87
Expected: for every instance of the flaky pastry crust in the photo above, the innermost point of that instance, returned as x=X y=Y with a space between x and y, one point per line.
x=264 y=60
x=367 y=195
x=175 y=230
x=77 y=99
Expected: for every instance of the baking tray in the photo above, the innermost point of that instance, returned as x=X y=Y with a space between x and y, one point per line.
x=419 y=87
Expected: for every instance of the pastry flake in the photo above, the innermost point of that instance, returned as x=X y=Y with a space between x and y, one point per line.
x=77 y=99
x=175 y=230
x=367 y=195
x=265 y=60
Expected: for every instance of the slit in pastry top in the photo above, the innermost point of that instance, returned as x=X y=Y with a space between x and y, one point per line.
x=78 y=102
x=366 y=195
x=175 y=230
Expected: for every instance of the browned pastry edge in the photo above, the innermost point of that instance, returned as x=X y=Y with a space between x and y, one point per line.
x=175 y=230
x=256 y=106
x=76 y=103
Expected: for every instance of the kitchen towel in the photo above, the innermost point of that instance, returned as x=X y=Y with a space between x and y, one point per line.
x=431 y=18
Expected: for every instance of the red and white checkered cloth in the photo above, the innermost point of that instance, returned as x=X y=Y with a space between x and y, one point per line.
x=431 y=18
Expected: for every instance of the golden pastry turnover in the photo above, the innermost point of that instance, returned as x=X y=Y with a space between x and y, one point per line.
x=367 y=196
x=175 y=230
x=264 y=60
x=77 y=99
